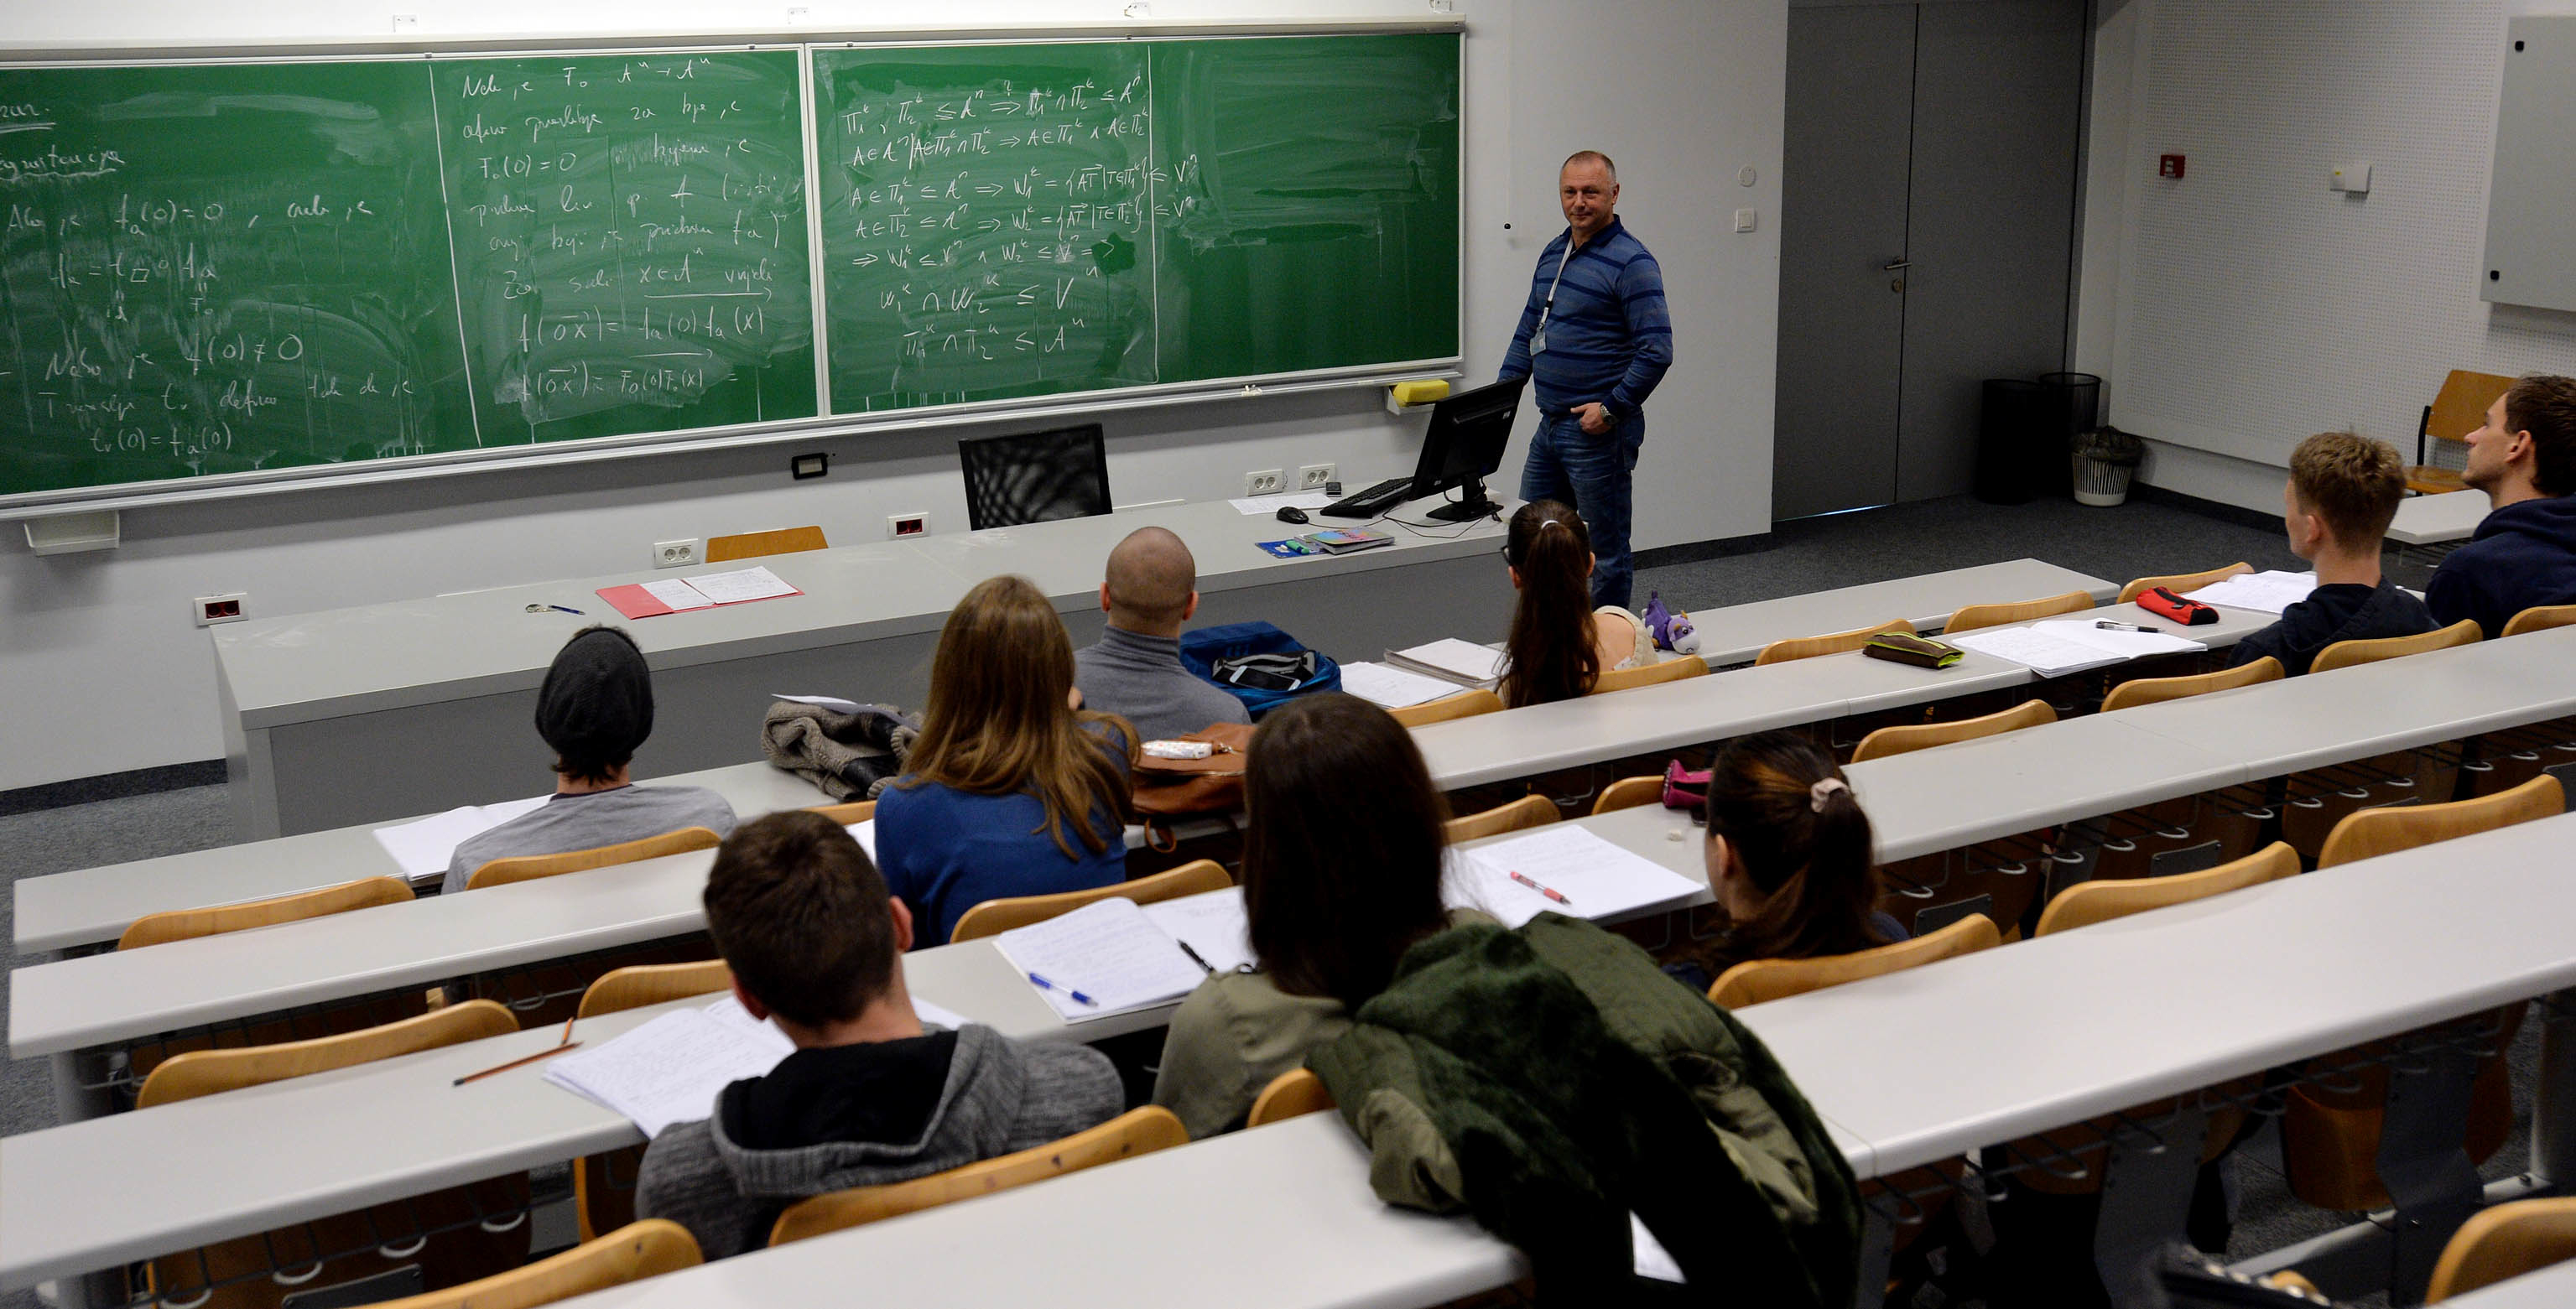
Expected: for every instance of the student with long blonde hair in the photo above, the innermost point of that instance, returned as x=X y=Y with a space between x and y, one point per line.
x=1009 y=790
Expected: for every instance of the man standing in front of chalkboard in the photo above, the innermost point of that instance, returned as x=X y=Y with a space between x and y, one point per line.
x=1594 y=339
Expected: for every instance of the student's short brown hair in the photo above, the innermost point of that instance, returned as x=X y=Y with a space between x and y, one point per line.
x=2545 y=406
x=799 y=912
x=2350 y=481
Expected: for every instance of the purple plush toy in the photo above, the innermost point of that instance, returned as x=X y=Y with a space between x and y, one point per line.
x=1671 y=631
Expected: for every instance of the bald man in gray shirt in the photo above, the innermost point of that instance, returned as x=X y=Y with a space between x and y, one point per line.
x=1135 y=671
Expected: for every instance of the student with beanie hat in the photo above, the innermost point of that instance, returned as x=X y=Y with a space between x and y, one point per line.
x=594 y=708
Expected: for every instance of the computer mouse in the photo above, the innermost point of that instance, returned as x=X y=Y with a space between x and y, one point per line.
x=1291 y=514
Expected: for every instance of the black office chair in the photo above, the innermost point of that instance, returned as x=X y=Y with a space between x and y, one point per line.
x=1035 y=477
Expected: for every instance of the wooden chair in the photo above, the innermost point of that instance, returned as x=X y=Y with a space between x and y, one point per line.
x=2157 y=690
x=1630 y=792
x=1136 y=1132
x=1661 y=671
x=1808 y=647
x=2540 y=618
x=2458 y=409
x=2347 y=654
x=185 y=924
x=629 y=1254
x=1292 y=1094
x=603 y=1185
x=528 y=868
x=2374 y=832
x=1923 y=736
x=1465 y=704
x=227 y=1274
x=1528 y=811
x=1973 y=617
x=2087 y=903
x=993 y=917
x=2511 y=1239
x=1756 y=981
x=752 y=545
x=849 y=812
x=2183 y=583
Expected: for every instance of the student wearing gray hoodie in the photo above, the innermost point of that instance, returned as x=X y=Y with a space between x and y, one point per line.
x=871 y=1095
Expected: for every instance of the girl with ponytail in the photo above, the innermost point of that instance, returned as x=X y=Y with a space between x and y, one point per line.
x=1789 y=856
x=1559 y=646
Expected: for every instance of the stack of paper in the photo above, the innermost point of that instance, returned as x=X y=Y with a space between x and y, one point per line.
x=2269 y=592
x=424 y=847
x=1268 y=506
x=2053 y=649
x=1107 y=953
x=1391 y=687
x=673 y=594
x=1594 y=878
x=671 y=1069
x=1450 y=659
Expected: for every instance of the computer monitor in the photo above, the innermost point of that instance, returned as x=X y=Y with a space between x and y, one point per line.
x=1034 y=477
x=1465 y=446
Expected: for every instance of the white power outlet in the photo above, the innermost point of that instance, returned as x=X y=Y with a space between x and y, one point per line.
x=907 y=525
x=231 y=607
x=1315 y=477
x=675 y=554
x=1266 y=481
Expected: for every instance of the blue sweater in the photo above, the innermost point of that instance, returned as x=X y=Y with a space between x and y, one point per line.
x=946 y=851
x=2521 y=557
x=1609 y=339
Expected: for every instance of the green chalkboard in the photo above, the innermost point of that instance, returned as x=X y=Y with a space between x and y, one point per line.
x=220 y=269
x=1015 y=220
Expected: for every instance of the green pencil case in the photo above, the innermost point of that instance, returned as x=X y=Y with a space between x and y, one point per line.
x=1907 y=648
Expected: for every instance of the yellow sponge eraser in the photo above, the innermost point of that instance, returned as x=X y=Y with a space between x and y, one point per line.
x=1420 y=393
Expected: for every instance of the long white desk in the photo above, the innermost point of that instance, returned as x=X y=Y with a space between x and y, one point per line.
x=1734 y=634
x=2553 y=1287
x=2436 y=519
x=365 y=714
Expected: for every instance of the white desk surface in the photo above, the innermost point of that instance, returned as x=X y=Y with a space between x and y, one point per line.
x=2433 y=519
x=2051 y=1031
x=2553 y=1287
x=96 y=904
x=385 y=656
x=1940 y=799
x=1734 y=634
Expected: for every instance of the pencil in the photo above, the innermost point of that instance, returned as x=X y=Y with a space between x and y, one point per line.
x=564 y=1043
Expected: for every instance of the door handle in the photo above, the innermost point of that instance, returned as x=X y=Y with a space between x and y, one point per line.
x=1893 y=264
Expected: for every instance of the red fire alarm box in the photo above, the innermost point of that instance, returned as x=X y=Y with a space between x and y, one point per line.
x=2169 y=166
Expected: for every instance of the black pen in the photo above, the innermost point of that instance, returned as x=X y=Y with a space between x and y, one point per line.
x=1194 y=957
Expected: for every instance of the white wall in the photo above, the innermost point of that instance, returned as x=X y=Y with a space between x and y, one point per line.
x=2235 y=311
x=102 y=671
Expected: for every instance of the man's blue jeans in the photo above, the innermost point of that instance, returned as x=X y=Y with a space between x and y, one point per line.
x=1590 y=472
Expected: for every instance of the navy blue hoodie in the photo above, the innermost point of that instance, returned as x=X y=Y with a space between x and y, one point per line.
x=2522 y=556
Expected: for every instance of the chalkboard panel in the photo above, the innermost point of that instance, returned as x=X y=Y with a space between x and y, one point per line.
x=630 y=241
x=220 y=269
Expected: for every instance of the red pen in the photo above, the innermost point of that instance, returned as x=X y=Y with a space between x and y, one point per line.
x=1550 y=892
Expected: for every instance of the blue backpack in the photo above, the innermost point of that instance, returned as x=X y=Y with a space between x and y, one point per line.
x=1201 y=651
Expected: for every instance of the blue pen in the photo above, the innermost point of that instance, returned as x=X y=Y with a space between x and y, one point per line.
x=561 y=609
x=1078 y=997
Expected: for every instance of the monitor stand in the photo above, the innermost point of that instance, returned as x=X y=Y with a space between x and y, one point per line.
x=1472 y=505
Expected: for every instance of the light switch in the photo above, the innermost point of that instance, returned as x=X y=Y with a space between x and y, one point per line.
x=1744 y=220
x=2353 y=177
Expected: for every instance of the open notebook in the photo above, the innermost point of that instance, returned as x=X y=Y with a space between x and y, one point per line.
x=1594 y=878
x=424 y=847
x=1452 y=660
x=1112 y=956
x=2061 y=646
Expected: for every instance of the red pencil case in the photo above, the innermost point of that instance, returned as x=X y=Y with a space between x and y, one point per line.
x=2163 y=603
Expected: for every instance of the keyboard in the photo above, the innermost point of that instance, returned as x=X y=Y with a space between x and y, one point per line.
x=1371 y=502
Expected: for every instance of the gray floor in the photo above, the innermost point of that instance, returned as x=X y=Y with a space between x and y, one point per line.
x=1841 y=550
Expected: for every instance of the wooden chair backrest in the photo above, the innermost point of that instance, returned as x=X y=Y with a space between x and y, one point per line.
x=2346 y=654
x=630 y=1254
x=1808 y=647
x=1628 y=793
x=993 y=917
x=2460 y=407
x=2086 y=903
x=2374 y=832
x=2157 y=690
x=2540 y=618
x=848 y=812
x=530 y=867
x=185 y=924
x=1972 y=617
x=1528 y=811
x=1923 y=736
x=1292 y=1094
x=752 y=545
x=2508 y=1240
x=2183 y=583
x=1665 y=670
x=638 y=985
x=1136 y=1132
x=1757 y=980
x=206 y=1072
x=1465 y=704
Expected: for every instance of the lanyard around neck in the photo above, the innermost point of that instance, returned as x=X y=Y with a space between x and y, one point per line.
x=1550 y=306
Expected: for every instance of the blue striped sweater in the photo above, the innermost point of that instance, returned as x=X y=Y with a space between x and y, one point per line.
x=1609 y=339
